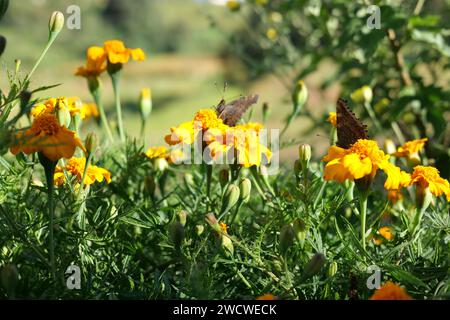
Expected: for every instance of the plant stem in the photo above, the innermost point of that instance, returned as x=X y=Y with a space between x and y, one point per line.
x=363 y=213
x=49 y=173
x=50 y=41
x=96 y=96
x=115 y=77
x=209 y=169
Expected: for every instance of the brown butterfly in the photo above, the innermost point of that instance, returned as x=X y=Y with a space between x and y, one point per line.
x=349 y=127
x=231 y=112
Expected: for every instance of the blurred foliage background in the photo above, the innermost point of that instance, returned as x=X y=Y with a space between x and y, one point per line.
x=263 y=47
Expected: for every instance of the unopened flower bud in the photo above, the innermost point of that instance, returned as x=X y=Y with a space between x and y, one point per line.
x=230 y=198
x=233 y=5
x=2 y=44
x=212 y=221
x=389 y=146
x=300 y=94
x=332 y=269
x=17 y=64
x=161 y=164
x=245 y=187
x=91 y=143
x=9 y=278
x=56 y=22
x=176 y=233
x=189 y=179
x=362 y=95
x=304 y=155
x=300 y=230
x=287 y=236
x=145 y=103
x=227 y=244
x=182 y=217
x=224 y=177
x=314 y=266
x=381 y=105
x=199 y=229
x=62 y=112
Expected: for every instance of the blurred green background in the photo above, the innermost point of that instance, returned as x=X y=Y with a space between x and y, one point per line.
x=189 y=58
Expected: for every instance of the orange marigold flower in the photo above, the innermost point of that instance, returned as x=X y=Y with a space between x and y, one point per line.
x=46 y=135
x=428 y=177
x=267 y=296
x=156 y=152
x=410 y=148
x=386 y=232
x=184 y=133
x=362 y=159
x=76 y=166
x=95 y=62
x=394 y=196
x=116 y=52
x=223 y=227
x=332 y=118
x=390 y=291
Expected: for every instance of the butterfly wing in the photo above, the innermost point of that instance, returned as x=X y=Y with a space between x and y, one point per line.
x=349 y=127
x=231 y=112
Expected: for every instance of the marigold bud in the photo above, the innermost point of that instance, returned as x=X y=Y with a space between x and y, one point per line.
x=245 y=187
x=233 y=5
x=227 y=244
x=304 y=155
x=300 y=230
x=230 y=198
x=300 y=94
x=145 y=103
x=161 y=164
x=199 y=229
x=212 y=221
x=287 y=236
x=189 y=179
x=63 y=113
x=182 y=217
x=9 y=278
x=56 y=22
x=362 y=95
x=176 y=232
x=91 y=143
x=2 y=44
x=314 y=265
x=332 y=269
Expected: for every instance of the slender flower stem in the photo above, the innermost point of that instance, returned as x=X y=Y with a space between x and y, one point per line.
x=49 y=167
x=98 y=101
x=115 y=77
x=209 y=169
x=363 y=213
x=50 y=41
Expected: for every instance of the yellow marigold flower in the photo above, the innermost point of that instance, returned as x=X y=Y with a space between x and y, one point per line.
x=89 y=110
x=411 y=148
x=332 y=118
x=46 y=135
x=116 y=52
x=233 y=5
x=362 y=159
x=76 y=166
x=271 y=34
x=208 y=119
x=386 y=232
x=156 y=152
x=390 y=291
x=184 y=133
x=46 y=107
x=428 y=177
x=58 y=177
x=95 y=62
x=267 y=296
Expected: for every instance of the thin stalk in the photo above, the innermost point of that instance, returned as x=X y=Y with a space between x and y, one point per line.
x=363 y=213
x=49 y=173
x=98 y=101
x=209 y=170
x=116 y=87
x=50 y=41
